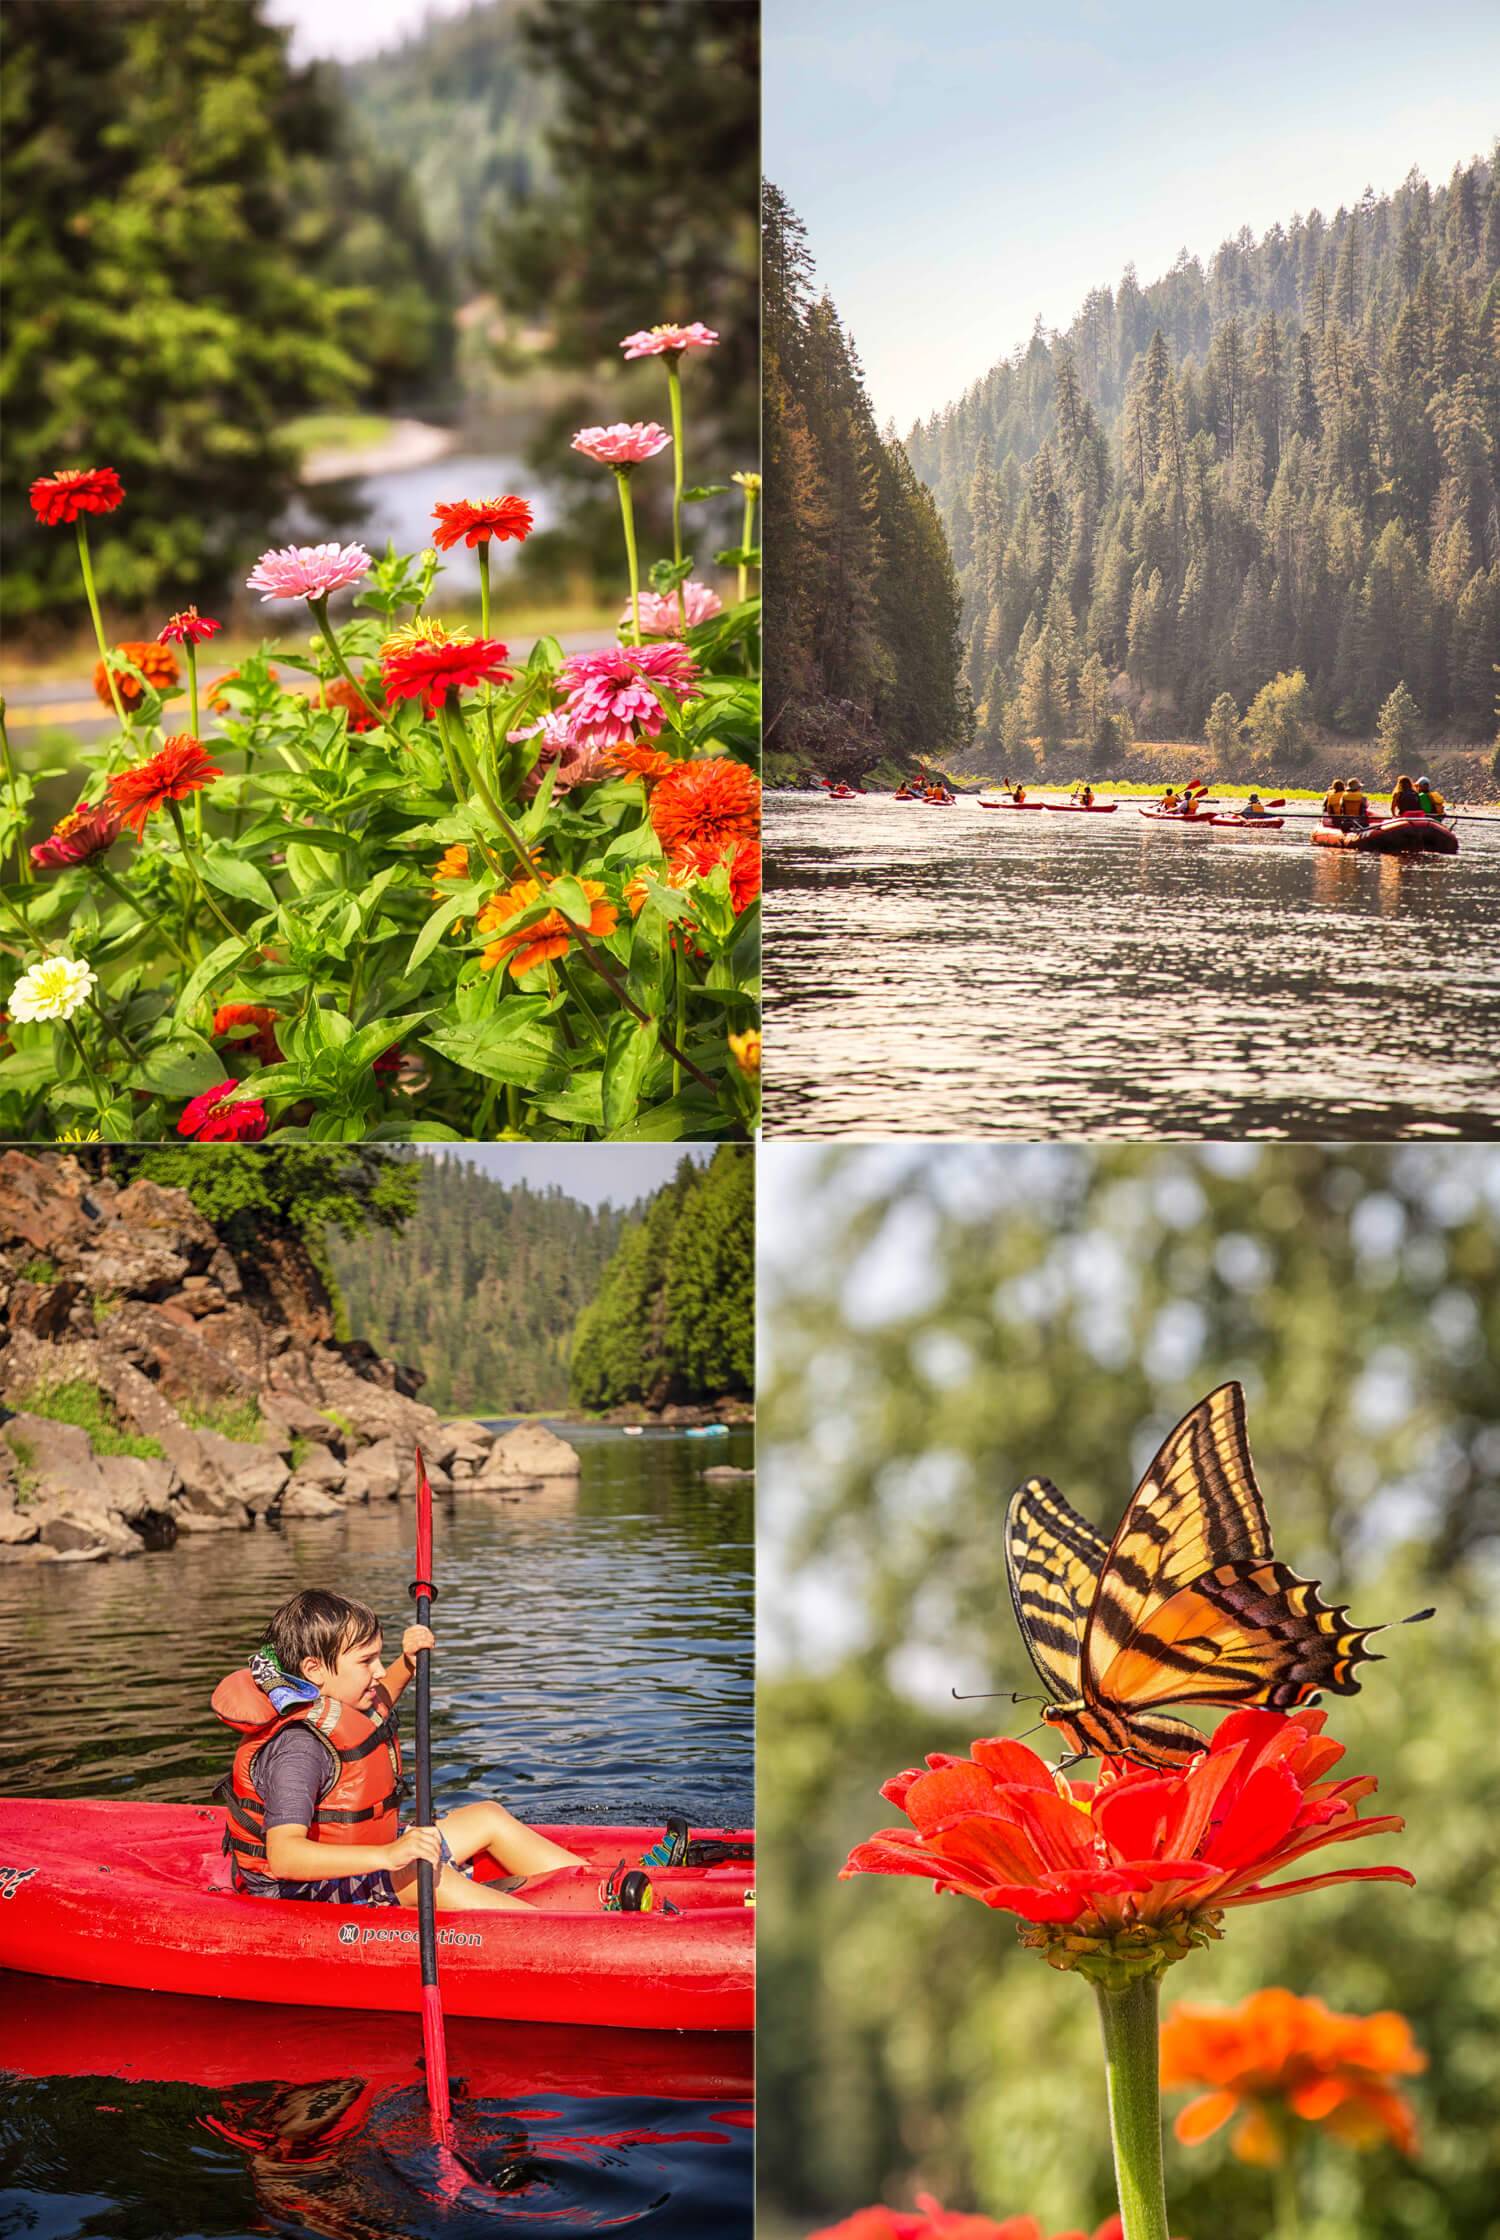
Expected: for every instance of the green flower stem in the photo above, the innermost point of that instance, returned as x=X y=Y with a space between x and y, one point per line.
x=747 y=531
x=679 y=991
x=1128 y=2017
x=23 y=858
x=198 y=881
x=674 y=391
x=1285 y=2197
x=115 y=1033
x=627 y=516
x=83 y=1059
x=192 y=661
x=484 y=587
x=451 y=723
x=93 y=599
x=123 y=894
x=318 y=608
x=512 y=1108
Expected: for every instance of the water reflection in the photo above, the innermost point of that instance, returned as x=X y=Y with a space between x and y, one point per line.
x=1025 y=977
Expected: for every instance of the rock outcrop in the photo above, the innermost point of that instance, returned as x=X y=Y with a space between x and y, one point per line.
x=216 y=1395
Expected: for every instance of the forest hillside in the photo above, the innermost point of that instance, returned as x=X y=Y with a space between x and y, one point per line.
x=1280 y=469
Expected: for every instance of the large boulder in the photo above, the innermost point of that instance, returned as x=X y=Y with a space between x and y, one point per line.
x=526 y=1456
x=376 y=1472
x=461 y=1447
x=249 y=1473
x=303 y=1499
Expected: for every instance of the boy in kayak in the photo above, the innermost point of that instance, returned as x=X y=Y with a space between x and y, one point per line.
x=1429 y=801
x=1255 y=807
x=312 y=1792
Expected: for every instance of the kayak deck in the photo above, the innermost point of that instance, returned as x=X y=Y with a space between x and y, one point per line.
x=139 y=1896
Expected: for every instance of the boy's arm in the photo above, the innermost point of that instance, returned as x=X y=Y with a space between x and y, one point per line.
x=292 y=1856
x=398 y=1676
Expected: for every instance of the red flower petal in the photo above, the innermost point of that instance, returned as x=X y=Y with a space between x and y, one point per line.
x=1261 y=1891
x=1264 y=1812
x=1011 y=1762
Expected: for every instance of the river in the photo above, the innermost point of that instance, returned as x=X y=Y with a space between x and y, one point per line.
x=398 y=505
x=595 y=1662
x=983 y=973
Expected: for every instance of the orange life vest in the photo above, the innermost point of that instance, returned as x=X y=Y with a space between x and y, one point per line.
x=364 y=1755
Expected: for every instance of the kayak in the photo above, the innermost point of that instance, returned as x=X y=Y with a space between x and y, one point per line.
x=707 y=1431
x=1209 y=819
x=56 y=2029
x=138 y=1895
x=1246 y=824
x=1391 y=836
x=1015 y=804
x=1081 y=808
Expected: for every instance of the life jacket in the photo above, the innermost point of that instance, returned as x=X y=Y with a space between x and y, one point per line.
x=1353 y=803
x=364 y=1757
x=1430 y=802
x=1333 y=802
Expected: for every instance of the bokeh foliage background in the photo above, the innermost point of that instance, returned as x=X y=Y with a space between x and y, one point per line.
x=941 y=1321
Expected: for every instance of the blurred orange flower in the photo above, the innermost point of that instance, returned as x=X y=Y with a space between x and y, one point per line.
x=1276 y=2055
x=157 y=664
x=931 y=2221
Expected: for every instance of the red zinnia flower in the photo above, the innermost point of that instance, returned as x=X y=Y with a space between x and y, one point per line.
x=1138 y=1858
x=157 y=664
x=700 y=857
x=72 y=491
x=261 y=1042
x=428 y=663
x=1277 y=2055
x=339 y=693
x=181 y=768
x=189 y=627
x=476 y=524
x=212 y=1118
x=707 y=802
x=79 y=836
x=931 y=2221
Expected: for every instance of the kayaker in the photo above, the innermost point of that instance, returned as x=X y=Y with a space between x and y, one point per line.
x=1404 y=798
x=312 y=1791
x=1018 y=794
x=1255 y=807
x=1333 y=803
x=1085 y=795
x=1356 y=808
x=1171 y=803
x=1430 y=802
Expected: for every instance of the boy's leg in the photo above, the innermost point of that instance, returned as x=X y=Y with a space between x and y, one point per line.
x=455 y=1893
x=472 y=1828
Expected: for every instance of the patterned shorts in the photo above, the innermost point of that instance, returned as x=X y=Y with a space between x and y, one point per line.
x=375 y=1889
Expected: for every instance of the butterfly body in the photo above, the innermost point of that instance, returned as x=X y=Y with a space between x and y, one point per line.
x=1186 y=1605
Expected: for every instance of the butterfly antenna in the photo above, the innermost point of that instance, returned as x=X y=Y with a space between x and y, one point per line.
x=989 y=1695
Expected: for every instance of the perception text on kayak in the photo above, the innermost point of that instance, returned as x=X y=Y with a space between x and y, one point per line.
x=351 y=1933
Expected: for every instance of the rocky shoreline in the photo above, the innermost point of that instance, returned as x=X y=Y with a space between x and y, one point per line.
x=214 y=1392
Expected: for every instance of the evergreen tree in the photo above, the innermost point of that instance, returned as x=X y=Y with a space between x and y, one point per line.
x=1399 y=723
x=1222 y=726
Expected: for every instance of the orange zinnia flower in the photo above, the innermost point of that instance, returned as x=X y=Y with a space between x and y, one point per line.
x=633 y=758
x=710 y=802
x=1276 y=2055
x=548 y=937
x=337 y=692
x=931 y=2221
x=157 y=664
x=261 y=1019
x=700 y=857
x=181 y=768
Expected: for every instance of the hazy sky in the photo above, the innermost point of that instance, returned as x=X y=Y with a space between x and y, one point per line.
x=343 y=30
x=963 y=167
x=595 y=1173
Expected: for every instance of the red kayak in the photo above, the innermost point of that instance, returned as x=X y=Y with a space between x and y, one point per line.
x=55 y=2029
x=1081 y=808
x=1391 y=836
x=1014 y=804
x=138 y=1895
x=1209 y=819
x=1245 y=824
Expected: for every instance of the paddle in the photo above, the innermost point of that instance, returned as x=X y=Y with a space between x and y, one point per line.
x=434 y=2042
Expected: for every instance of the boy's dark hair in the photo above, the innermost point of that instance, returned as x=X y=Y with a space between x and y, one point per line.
x=320 y=1625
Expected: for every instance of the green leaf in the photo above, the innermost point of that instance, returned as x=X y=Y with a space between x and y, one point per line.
x=514 y=1045
x=183 y=1067
x=436 y=926
x=667 y=574
x=235 y=875
x=628 y=1051
x=739 y=556
x=580 y=1104
x=567 y=895
x=373 y=1041
x=703 y=490
x=220 y=961
x=28 y=1069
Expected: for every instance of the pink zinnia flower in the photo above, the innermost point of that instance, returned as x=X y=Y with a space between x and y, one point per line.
x=610 y=697
x=307 y=571
x=625 y=444
x=215 y=1118
x=189 y=627
x=668 y=342
x=82 y=834
x=577 y=763
x=661 y=617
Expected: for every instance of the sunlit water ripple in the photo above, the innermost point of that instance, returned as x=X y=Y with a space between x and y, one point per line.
x=988 y=973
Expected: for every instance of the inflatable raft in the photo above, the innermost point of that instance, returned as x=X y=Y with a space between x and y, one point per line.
x=1391 y=836
x=138 y=1895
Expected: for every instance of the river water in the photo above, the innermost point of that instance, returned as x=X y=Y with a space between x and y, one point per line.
x=595 y=1662
x=398 y=505
x=988 y=973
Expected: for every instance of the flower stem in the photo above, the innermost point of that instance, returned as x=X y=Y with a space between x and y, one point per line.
x=1285 y=2198
x=679 y=1021
x=192 y=863
x=627 y=515
x=83 y=1059
x=191 y=651
x=318 y=608
x=112 y=1030
x=746 y=533
x=674 y=391
x=93 y=599
x=484 y=587
x=123 y=894
x=23 y=859
x=1128 y=2018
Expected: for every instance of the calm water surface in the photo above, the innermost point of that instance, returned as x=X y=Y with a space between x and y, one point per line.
x=595 y=1663
x=991 y=973
x=399 y=506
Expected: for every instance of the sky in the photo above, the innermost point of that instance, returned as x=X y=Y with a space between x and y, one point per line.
x=346 y=30
x=962 y=169
x=594 y=1173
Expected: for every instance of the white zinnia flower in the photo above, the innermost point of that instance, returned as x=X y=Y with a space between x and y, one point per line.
x=53 y=989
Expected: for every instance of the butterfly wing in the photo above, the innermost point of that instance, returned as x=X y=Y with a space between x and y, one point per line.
x=1053 y=1558
x=1192 y=1606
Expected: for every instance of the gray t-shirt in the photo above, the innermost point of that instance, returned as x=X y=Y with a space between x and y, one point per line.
x=293 y=1773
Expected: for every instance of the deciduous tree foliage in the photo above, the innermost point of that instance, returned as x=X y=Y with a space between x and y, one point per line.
x=674 y=1319
x=1289 y=460
x=862 y=606
x=198 y=248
